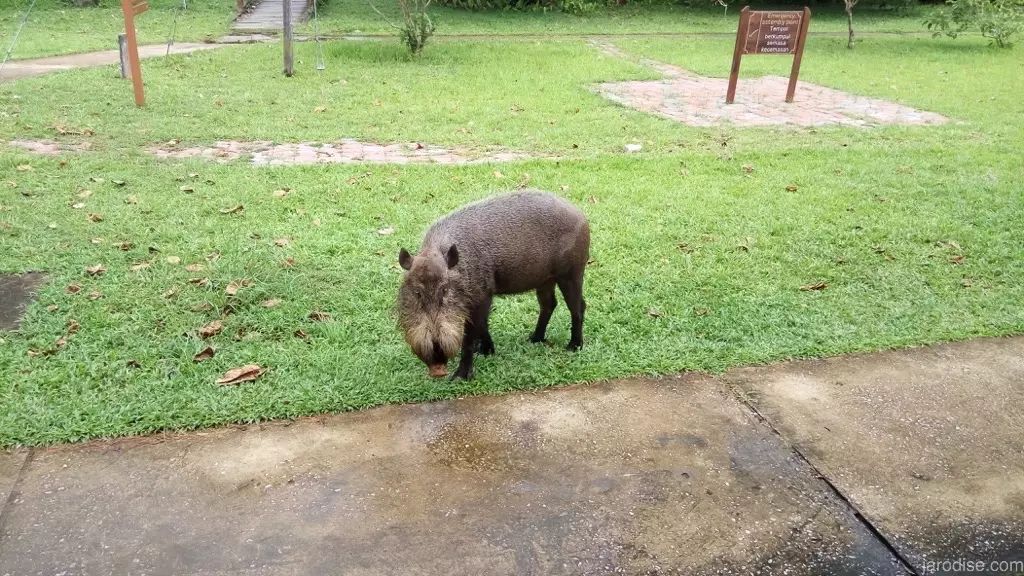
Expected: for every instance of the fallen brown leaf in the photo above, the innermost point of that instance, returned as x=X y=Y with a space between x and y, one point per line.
x=97 y=241
x=95 y=217
x=85 y=194
x=133 y=364
x=235 y=285
x=282 y=242
x=966 y=282
x=202 y=307
x=173 y=260
x=958 y=259
x=318 y=316
x=195 y=267
x=281 y=193
x=288 y=262
x=78 y=205
x=187 y=188
x=24 y=168
x=791 y=188
x=94 y=295
x=273 y=302
x=171 y=292
x=748 y=169
x=815 y=286
x=97 y=270
x=140 y=266
x=204 y=354
x=125 y=246
x=386 y=231
x=52 y=308
x=131 y=200
x=701 y=311
x=201 y=282
x=233 y=209
x=118 y=182
x=73 y=326
x=73 y=289
x=211 y=329
x=301 y=334
x=654 y=312
x=245 y=373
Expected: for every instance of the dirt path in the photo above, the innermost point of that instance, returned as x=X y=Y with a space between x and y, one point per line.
x=17 y=69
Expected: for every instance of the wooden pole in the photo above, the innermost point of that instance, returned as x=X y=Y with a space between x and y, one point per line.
x=737 y=53
x=289 y=64
x=129 y=7
x=800 y=40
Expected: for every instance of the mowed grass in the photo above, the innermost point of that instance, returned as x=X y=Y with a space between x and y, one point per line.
x=56 y=27
x=699 y=249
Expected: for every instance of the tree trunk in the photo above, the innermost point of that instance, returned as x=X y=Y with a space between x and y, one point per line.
x=849 y=23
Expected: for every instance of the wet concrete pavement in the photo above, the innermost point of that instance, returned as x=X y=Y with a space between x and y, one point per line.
x=16 y=292
x=928 y=444
x=671 y=476
x=17 y=69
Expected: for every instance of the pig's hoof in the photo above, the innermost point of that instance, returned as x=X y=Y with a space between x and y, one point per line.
x=486 y=348
x=574 y=346
x=536 y=339
x=462 y=374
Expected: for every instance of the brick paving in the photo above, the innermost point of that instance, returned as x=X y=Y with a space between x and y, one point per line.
x=700 y=101
x=347 y=151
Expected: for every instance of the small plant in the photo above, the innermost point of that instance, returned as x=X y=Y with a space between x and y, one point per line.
x=416 y=25
x=998 y=20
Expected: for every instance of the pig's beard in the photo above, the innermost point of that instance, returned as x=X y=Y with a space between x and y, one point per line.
x=421 y=331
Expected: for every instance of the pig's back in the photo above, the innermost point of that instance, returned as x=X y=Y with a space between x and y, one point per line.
x=522 y=239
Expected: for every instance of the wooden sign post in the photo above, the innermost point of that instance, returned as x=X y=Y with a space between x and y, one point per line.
x=774 y=32
x=131 y=9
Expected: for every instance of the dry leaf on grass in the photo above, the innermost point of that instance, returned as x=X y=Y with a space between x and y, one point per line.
x=281 y=193
x=95 y=217
x=173 y=260
x=282 y=242
x=233 y=209
x=171 y=292
x=125 y=246
x=187 y=189
x=94 y=295
x=791 y=188
x=73 y=326
x=140 y=266
x=815 y=286
x=235 y=285
x=97 y=270
x=386 y=231
x=654 y=312
x=201 y=282
x=24 y=168
x=318 y=316
x=78 y=205
x=211 y=329
x=301 y=334
x=272 y=303
x=288 y=262
x=196 y=267
x=204 y=354
x=85 y=194
x=246 y=373
x=73 y=289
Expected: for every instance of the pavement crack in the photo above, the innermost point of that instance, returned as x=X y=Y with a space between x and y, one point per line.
x=14 y=493
x=744 y=398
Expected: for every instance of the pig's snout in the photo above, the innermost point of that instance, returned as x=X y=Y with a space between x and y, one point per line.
x=437 y=370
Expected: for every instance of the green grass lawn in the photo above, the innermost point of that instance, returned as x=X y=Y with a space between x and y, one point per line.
x=55 y=27
x=698 y=262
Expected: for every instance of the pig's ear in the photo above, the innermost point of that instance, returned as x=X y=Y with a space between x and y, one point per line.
x=405 y=259
x=452 y=258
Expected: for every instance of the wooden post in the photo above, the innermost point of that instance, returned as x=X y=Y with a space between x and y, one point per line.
x=800 y=41
x=289 y=64
x=131 y=9
x=734 y=72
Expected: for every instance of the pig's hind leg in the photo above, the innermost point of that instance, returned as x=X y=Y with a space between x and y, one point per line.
x=475 y=330
x=571 y=286
x=546 y=299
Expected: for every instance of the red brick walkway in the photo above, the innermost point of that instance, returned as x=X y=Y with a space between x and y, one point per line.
x=345 y=151
x=700 y=101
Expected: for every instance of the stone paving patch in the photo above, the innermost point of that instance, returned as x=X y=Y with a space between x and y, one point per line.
x=346 y=151
x=700 y=101
x=49 y=147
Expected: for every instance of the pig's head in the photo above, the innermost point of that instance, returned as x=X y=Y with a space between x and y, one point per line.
x=430 y=311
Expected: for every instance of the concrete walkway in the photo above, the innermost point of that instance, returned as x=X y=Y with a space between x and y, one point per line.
x=268 y=16
x=17 y=69
x=892 y=463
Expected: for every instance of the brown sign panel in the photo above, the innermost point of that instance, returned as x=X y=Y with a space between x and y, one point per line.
x=772 y=32
x=769 y=32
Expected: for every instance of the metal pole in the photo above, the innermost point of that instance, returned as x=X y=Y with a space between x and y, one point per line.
x=289 y=64
x=122 y=47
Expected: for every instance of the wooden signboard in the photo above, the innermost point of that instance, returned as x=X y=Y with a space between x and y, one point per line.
x=774 y=32
x=131 y=9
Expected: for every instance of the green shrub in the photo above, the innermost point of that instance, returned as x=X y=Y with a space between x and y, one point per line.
x=999 y=20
